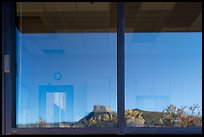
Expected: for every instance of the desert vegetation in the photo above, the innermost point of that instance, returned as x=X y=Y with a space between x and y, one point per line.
x=103 y=117
x=173 y=116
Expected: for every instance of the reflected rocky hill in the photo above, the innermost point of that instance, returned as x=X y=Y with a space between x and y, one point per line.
x=103 y=116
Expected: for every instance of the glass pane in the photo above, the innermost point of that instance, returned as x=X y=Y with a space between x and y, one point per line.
x=66 y=64
x=163 y=64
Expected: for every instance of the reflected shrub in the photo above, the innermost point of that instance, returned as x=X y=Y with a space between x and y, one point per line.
x=174 y=116
x=134 y=118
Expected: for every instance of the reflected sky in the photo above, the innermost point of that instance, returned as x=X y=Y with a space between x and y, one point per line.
x=86 y=61
x=161 y=69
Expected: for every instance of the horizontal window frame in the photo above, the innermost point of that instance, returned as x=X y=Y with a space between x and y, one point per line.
x=165 y=130
x=93 y=131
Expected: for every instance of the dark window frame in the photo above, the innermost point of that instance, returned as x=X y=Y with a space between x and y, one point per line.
x=8 y=86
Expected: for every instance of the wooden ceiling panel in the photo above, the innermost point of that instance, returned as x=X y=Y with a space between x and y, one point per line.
x=31 y=25
x=67 y=6
x=184 y=14
x=86 y=19
x=59 y=6
x=148 y=19
x=44 y=17
x=29 y=6
x=96 y=6
x=197 y=24
x=131 y=11
x=113 y=16
x=157 y=5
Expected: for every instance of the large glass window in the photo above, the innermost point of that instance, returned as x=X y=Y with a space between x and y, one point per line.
x=163 y=65
x=66 y=64
x=163 y=79
x=76 y=66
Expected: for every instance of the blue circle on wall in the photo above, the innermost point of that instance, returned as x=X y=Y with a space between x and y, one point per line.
x=57 y=76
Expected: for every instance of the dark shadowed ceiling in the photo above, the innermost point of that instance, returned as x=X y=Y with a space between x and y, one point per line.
x=50 y=17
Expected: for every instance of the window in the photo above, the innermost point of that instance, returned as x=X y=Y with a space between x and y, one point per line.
x=163 y=69
x=102 y=68
x=66 y=65
x=164 y=79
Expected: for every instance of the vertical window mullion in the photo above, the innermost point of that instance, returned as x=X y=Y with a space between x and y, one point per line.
x=9 y=77
x=120 y=68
